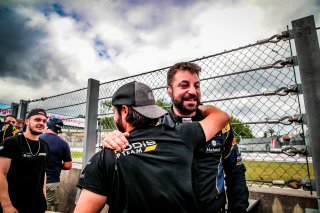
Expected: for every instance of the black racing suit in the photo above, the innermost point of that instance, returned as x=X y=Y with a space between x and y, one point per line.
x=217 y=163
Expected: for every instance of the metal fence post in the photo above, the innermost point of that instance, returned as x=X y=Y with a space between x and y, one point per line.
x=90 y=130
x=307 y=46
x=22 y=110
x=14 y=109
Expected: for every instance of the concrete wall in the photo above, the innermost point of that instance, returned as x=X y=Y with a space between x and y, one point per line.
x=278 y=200
x=272 y=200
x=67 y=190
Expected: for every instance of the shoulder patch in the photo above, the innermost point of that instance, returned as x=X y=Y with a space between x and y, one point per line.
x=5 y=127
x=234 y=141
x=226 y=129
x=15 y=131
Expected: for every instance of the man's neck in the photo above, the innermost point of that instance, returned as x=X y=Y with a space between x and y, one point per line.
x=129 y=128
x=30 y=136
x=51 y=132
x=180 y=114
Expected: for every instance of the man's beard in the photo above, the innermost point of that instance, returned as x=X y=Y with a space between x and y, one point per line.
x=34 y=132
x=185 y=109
x=119 y=124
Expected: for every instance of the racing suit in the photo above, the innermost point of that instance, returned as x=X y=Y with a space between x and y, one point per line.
x=7 y=130
x=216 y=163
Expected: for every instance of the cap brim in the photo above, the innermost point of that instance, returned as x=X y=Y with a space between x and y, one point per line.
x=151 y=111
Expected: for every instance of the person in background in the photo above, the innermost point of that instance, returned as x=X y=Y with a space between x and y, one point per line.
x=216 y=163
x=59 y=159
x=23 y=160
x=19 y=124
x=10 y=119
x=7 y=129
x=154 y=173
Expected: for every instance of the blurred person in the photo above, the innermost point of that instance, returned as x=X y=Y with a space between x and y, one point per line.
x=59 y=159
x=215 y=164
x=7 y=130
x=23 y=160
x=151 y=175
x=19 y=124
x=10 y=119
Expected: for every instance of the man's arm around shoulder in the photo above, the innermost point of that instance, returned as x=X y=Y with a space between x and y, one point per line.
x=215 y=119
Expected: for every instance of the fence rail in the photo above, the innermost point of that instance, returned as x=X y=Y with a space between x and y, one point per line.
x=257 y=84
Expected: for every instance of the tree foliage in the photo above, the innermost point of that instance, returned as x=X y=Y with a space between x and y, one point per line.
x=240 y=129
x=162 y=103
x=106 y=122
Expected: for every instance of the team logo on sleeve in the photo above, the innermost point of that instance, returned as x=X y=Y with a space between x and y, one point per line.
x=137 y=148
x=15 y=131
x=226 y=129
x=234 y=141
x=5 y=127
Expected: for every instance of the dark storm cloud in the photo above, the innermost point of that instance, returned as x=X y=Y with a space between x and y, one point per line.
x=23 y=53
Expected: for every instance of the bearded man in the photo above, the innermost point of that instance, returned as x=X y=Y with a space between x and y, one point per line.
x=23 y=160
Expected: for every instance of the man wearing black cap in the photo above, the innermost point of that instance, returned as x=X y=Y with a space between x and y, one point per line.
x=215 y=164
x=150 y=175
x=22 y=167
x=59 y=158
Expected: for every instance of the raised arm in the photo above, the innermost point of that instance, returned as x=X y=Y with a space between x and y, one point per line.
x=4 y=194
x=215 y=119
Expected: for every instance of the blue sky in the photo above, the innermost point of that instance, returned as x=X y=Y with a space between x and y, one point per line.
x=52 y=47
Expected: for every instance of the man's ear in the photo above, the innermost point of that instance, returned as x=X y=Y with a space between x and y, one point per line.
x=169 y=90
x=124 y=110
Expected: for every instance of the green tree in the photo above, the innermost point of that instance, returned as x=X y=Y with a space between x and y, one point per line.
x=268 y=133
x=162 y=103
x=106 y=122
x=240 y=129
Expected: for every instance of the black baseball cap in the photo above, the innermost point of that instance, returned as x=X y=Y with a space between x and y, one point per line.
x=140 y=97
x=36 y=111
x=55 y=124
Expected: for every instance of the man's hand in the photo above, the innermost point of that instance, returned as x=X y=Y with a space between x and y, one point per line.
x=116 y=140
x=214 y=120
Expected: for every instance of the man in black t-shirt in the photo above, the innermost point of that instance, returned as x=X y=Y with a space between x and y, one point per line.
x=150 y=175
x=22 y=168
x=216 y=163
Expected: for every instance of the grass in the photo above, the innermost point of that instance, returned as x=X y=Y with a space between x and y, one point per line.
x=76 y=154
x=265 y=170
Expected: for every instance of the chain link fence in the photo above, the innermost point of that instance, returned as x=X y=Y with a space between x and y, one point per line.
x=70 y=108
x=256 y=84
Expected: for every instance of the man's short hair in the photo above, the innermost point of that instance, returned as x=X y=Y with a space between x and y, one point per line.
x=7 y=116
x=188 y=66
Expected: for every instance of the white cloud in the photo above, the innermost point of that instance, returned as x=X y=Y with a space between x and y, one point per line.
x=136 y=38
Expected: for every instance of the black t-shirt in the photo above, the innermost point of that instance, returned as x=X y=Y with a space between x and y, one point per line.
x=26 y=174
x=59 y=152
x=153 y=174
